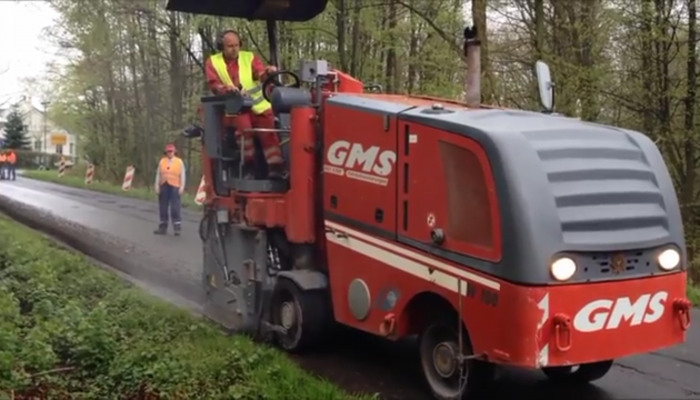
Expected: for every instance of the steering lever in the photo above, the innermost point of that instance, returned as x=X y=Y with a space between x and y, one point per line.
x=272 y=81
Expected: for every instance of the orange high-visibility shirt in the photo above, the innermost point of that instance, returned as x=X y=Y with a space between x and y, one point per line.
x=171 y=171
x=3 y=158
x=12 y=157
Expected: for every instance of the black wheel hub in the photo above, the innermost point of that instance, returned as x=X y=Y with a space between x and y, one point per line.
x=287 y=314
x=440 y=359
x=445 y=359
x=288 y=317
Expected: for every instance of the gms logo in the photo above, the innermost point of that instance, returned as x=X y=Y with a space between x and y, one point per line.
x=610 y=314
x=376 y=165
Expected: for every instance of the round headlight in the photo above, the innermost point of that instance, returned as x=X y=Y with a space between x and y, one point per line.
x=669 y=259
x=563 y=268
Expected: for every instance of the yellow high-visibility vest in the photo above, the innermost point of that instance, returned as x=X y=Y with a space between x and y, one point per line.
x=245 y=75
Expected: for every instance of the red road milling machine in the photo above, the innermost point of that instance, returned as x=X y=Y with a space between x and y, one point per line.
x=497 y=236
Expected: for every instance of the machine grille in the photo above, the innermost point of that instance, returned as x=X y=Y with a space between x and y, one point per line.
x=604 y=189
x=617 y=265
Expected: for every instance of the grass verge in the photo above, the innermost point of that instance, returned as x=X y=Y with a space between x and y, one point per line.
x=105 y=187
x=70 y=330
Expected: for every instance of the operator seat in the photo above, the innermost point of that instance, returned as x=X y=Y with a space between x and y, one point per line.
x=231 y=149
x=224 y=151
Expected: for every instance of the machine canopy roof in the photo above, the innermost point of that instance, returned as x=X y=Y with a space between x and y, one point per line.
x=280 y=10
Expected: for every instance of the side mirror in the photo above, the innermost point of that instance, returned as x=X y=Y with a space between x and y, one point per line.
x=193 y=131
x=545 y=86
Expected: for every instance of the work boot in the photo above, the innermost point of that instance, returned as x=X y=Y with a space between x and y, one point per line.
x=162 y=230
x=276 y=171
x=176 y=229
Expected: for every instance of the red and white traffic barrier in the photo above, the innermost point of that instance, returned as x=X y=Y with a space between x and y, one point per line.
x=89 y=173
x=128 y=178
x=201 y=195
x=61 y=167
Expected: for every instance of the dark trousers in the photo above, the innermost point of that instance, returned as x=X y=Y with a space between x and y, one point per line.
x=3 y=167
x=169 y=196
x=10 y=172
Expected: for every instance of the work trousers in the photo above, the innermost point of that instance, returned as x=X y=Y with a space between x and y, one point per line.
x=10 y=172
x=169 y=197
x=3 y=170
x=269 y=141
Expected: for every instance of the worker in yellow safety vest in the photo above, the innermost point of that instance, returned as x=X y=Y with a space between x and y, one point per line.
x=170 y=185
x=3 y=164
x=232 y=70
x=10 y=168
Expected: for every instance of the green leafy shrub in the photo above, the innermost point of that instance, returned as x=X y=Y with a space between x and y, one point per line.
x=69 y=330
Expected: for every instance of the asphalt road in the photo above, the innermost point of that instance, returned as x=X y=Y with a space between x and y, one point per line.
x=118 y=231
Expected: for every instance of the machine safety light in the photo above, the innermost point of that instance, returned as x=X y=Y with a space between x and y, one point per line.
x=563 y=268
x=669 y=259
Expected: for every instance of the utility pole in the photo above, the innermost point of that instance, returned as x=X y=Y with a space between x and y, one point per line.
x=44 y=145
x=45 y=104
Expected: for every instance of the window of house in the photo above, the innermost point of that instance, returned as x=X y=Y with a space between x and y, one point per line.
x=71 y=148
x=37 y=145
x=59 y=149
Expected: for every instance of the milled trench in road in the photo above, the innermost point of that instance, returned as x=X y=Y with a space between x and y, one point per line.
x=118 y=232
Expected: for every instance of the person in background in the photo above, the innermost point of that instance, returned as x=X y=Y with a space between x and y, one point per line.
x=169 y=185
x=3 y=162
x=234 y=70
x=11 y=173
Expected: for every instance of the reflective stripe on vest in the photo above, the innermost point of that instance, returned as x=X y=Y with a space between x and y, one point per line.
x=245 y=75
x=170 y=171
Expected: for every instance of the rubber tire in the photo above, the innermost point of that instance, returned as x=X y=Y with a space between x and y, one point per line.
x=481 y=373
x=584 y=374
x=314 y=307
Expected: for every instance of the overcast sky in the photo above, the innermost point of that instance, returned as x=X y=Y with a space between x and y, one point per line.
x=23 y=52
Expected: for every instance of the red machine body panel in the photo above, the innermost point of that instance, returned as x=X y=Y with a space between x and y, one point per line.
x=379 y=197
x=449 y=190
x=528 y=327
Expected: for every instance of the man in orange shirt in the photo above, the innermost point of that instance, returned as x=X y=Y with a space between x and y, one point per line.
x=236 y=70
x=10 y=169
x=169 y=185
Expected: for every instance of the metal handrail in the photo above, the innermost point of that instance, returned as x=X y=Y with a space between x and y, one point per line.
x=253 y=130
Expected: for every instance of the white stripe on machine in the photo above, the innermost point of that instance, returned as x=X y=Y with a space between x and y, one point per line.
x=405 y=260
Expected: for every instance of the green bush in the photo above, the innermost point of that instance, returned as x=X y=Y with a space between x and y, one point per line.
x=70 y=330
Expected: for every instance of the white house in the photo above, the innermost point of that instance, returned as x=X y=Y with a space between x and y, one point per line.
x=44 y=135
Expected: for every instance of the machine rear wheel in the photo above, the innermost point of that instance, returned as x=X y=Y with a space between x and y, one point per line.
x=305 y=314
x=583 y=373
x=439 y=349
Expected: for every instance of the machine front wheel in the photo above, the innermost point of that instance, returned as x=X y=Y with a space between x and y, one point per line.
x=305 y=314
x=583 y=373
x=439 y=351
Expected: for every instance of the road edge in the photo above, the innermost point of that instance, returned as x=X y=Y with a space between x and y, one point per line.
x=101 y=248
